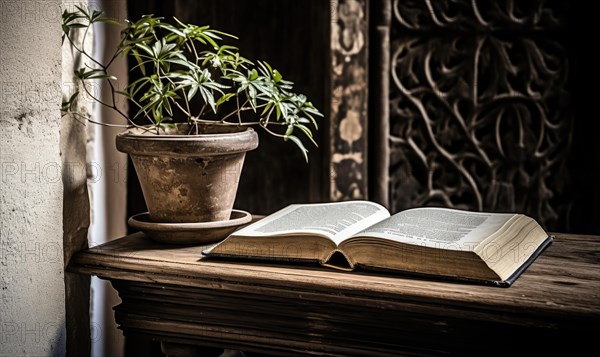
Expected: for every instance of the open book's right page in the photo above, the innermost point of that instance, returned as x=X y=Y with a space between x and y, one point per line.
x=438 y=227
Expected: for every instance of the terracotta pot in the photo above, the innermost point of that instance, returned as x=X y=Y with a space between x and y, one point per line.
x=188 y=178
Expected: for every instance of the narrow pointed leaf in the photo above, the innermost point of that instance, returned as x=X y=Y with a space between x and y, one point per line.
x=298 y=143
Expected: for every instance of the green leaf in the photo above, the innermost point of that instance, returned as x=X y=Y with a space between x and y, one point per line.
x=208 y=98
x=313 y=120
x=192 y=92
x=267 y=68
x=76 y=26
x=209 y=39
x=107 y=20
x=95 y=14
x=146 y=48
x=289 y=130
x=181 y=24
x=83 y=12
x=167 y=106
x=253 y=75
x=137 y=85
x=299 y=144
x=277 y=111
x=68 y=105
x=102 y=76
x=172 y=29
x=145 y=108
x=266 y=109
x=224 y=98
x=252 y=96
x=139 y=60
x=306 y=130
x=80 y=73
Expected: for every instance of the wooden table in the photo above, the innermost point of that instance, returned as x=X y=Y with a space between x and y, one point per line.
x=172 y=294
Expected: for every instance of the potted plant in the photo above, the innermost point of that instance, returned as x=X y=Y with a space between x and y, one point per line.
x=197 y=100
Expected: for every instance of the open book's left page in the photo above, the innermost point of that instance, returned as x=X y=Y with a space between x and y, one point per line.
x=335 y=221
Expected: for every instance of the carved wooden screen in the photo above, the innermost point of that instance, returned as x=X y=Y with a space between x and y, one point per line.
x=478 y=111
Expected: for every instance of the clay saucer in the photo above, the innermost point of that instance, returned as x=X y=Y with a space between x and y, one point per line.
x=189 y=233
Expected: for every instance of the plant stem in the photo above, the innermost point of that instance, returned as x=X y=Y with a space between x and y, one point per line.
x=272 y=132
x=239 y=115
x=89 y=119
x=115 y=55
x=265 y=122
x=236 y=111
x=202 y=110
x=113 y=106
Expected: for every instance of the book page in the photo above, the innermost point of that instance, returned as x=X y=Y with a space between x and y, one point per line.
x=439 y=227
x=334 y=220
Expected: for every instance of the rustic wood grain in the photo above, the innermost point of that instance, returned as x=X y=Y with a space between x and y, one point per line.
x=173 y=294
x=349 y=91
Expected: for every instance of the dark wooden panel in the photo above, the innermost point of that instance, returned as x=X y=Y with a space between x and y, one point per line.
x=379 y=98
x=480 y=108
x=349 y=100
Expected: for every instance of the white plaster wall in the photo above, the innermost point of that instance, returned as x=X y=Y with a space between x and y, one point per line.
x=32 y=303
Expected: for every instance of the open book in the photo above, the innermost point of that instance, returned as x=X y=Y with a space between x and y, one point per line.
x=490 y=248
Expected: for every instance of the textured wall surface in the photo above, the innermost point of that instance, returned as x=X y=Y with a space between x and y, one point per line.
x=32 y=307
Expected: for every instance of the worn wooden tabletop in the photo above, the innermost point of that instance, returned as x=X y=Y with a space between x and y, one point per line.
x=560 y=291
